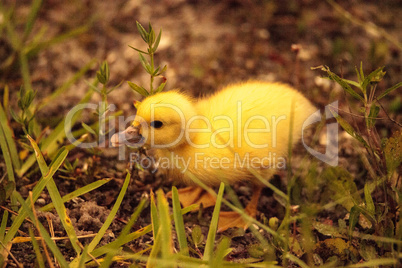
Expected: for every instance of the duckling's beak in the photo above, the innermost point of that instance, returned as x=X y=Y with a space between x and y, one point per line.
x=130 y=136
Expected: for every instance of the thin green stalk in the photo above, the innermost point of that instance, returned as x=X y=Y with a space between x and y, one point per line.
x=151 y=55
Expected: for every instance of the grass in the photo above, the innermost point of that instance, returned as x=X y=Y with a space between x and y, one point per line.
x=294 y=241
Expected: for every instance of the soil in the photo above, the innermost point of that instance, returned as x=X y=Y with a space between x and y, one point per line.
x=206 y=45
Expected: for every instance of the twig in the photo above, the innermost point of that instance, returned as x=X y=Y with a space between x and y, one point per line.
x=399 y=124
x=360 y=116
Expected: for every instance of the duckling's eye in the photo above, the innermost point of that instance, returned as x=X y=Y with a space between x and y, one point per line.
x=156 y=124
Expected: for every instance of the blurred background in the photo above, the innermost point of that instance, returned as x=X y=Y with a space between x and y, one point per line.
x=205 y=44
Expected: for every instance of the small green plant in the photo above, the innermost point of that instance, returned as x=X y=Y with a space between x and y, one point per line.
x=25 y=116
x=365 y=92
x=384 y=158
x=98 y=129
x=153 y=42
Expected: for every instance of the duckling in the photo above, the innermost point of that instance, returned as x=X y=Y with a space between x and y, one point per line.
x=221 y=137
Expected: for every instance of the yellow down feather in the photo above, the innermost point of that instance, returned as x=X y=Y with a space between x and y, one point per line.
x=220 y=137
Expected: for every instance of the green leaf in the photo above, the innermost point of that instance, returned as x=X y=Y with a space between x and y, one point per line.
x=162 y=71
x=369 y=200
x=100 y=77
x=142 y=91
x=145 y=64
x=389 y=90
x=340 y=187
x=341 y=82
x=16 y=117
x=141 y=51
x=160 y=87
x=157 y=41
x=345 y=86
x=349 y=129
x=196 y=235
x=353 y=219
x=393 y=151
x=374 y=110
x=353 y=83
x=88 y=128
x=151 y=37
x=144 y=34
x=103 y=74
x=374 y=77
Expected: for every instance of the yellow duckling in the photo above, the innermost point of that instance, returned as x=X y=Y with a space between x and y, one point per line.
x=221 y=137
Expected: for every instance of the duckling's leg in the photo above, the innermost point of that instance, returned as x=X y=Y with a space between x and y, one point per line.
x=194 y=195
x=229 y=219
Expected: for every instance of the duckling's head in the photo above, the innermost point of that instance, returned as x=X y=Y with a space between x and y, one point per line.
x=160 y=121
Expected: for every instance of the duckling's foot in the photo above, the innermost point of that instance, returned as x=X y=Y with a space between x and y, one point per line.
x=194 y=195
x=230 y=219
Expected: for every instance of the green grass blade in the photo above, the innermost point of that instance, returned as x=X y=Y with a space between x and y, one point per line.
x=154 y=216
x=78 y=192
x=383 y=262
x=35 y=195
x=111 y=215
x=296 y=260
x=166 y=227
x=8 y=134
x=114 y=250
x=66 y=85
x=8 y=161
x=126 y=238
x=179 y=223
x=26 y=209
x=3 y=225
x=153 y=255
x=213 y=227
x=55 y=194
x=33 y=49
x=389 y=90
x=33 y=14
x=35 y=245
x=24 y=68
x=6 y=155
x=82 y=257
x=238 y=210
